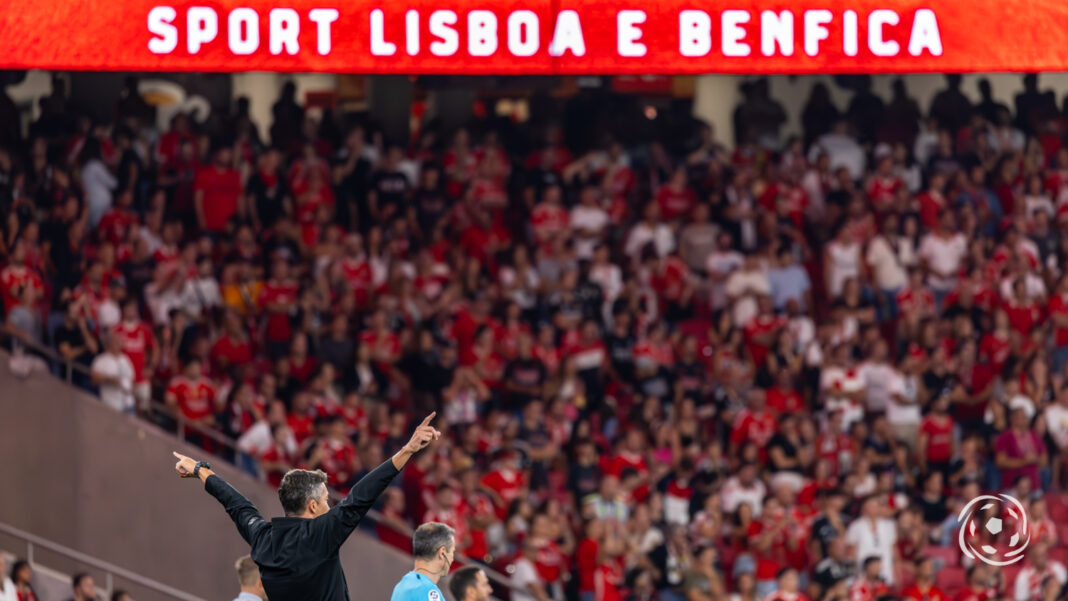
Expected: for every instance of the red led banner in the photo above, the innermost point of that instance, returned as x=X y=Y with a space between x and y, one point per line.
x=536 y=36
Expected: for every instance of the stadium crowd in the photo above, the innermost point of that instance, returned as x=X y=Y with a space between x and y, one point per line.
x=671 y=368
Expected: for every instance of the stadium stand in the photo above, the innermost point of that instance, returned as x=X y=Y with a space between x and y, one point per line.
x=678 y=367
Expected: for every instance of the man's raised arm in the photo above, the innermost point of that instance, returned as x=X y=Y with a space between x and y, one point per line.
x=244 y=514
x=365 y=492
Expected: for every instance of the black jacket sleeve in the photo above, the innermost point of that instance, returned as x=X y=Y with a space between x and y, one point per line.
x=244 y=514
x=341 y=520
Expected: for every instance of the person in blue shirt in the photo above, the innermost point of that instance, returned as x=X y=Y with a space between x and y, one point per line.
x=434 y=549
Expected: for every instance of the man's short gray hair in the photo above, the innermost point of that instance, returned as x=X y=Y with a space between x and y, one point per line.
x=430 y=537
x=298 y=487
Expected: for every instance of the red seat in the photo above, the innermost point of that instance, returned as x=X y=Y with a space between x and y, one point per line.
x=950 y=556
x=1059 y=554
x=1058 y=511
x=951 y=579
x=1010 y=573
x=1056 y=498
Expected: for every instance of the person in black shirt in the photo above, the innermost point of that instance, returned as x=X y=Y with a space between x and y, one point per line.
x=524 y=376
x=585 y=476
x=932 y=501
x=835 y=567
x=131 y=168
x=784 y=449
x=266 y=187
x=353 y=175
x=620 y=343
x=298 y=554
x=879 y=447
x=831 y=523
x=74 y=341
x=430 y=202
x=388 y=196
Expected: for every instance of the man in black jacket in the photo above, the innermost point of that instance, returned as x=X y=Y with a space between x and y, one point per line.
x=298 y=554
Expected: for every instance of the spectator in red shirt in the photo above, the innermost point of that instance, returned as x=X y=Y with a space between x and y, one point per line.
x=753 y=425
x=869 y=585
x=139 y=344
x=335 y=454
x=924 y=588
x=979 y=586
x=676 y=198
x=278 y=299
x=233 y=349
x=218 y=192
x=1019 y=451
x=549 y=218
x=195 y=399
x=1058 y=315
x=933 y=201
x=17 y=276
x=1024 y=312
x=393 y=527
x=935 y=446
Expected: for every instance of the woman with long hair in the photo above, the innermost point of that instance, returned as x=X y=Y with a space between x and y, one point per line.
x=21 y=575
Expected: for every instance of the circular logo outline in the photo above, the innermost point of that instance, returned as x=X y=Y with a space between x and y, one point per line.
x=964 y=518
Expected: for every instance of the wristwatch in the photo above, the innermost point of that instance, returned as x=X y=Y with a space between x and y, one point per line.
x=200 y=464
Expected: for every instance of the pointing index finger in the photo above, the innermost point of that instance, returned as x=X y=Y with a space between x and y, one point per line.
x=427 y=419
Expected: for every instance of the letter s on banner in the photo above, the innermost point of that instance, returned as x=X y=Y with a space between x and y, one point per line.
x=161 y=25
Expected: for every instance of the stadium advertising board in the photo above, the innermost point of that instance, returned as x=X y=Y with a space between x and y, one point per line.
x=536 y=36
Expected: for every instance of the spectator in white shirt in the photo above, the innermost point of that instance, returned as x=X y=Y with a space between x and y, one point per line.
x=841 y=260
x=718 y=266
x=528 y=585
x=1034 y=285
x=1039 y=567
x=698 y=239
x=588 y=221
x=903 y=409
x=201 y=293
x=744 y=286
x=842 y=149
x=113 y=373
x=744 y=488
x=942 y=252
x=890 y=255
x=879 y=376
x=650 y=230
x=7 y=587
x=872 y=535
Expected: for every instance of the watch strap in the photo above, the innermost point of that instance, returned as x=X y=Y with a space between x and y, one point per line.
x=200 y=464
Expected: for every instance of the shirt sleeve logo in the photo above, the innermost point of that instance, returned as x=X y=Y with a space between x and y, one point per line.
x=434 y=596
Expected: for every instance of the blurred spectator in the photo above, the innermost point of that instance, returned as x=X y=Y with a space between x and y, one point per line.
x=84 y=588
x=248 y=578
x=113 y=372
x=22 y=577
x=1038 y=567
x=8 y=592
